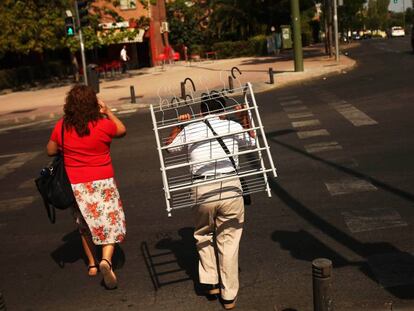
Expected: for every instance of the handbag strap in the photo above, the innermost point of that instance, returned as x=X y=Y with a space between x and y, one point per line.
x=223 y=145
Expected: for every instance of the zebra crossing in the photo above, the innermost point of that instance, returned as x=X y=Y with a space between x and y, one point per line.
x=10 y=164
x=309 y=127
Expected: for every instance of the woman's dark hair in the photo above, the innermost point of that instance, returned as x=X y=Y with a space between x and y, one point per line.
x=213 y=103
x=81 y=108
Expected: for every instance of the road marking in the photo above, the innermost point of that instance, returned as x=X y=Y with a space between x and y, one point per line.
x=295 y=109
x=15 y=127
x=28 y=184
x=287 y=97
x=352 y=114
x=306 y=123
x=373 y=218
x=17 y=161
x=291 y=102
x=16 y=204
x=321 y=147
x=127 y=111
x=313 y=133
x=299 y=115
x=349 y=185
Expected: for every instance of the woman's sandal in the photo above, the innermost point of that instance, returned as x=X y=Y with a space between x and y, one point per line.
x=93 y=270
x=109 y=276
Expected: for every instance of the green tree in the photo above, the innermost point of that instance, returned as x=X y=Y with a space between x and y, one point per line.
x=186 y=20
x=33 y=26
x=350 y=15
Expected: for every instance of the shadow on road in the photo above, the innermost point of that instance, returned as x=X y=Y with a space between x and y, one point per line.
x=177 y=262
x=72 y=251
x=383 y=262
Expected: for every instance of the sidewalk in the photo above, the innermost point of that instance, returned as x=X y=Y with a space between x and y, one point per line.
x=32 y=106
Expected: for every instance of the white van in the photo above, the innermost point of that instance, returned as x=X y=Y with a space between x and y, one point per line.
x=397 y=31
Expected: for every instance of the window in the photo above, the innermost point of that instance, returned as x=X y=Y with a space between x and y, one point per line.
x=128 y=4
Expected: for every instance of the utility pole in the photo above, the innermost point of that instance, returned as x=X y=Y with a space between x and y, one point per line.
x=85 y=77
x=297 y=36
x=335 y=18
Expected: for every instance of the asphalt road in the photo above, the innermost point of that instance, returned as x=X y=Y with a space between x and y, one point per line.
x=344 y=192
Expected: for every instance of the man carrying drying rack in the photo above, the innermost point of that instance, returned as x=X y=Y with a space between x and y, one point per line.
x=219 y=206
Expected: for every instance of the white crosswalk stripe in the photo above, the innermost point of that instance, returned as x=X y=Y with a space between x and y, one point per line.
x=374 y=218
x=306 y=123
x=295 y=109
x=299 y=115
x=291 y=102
x=321 y=147
x=17 y=161
x=349 y=185
x=16 y=204
x=352 y=114
x=312 y=133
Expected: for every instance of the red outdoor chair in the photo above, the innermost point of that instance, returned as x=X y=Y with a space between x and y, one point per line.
x=176 y=56
x=161 y=59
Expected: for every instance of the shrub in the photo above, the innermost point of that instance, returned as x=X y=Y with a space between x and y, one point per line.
x=259 y=45
x=16 y=77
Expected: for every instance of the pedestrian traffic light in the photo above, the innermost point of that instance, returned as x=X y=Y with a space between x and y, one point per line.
x=83 y=11
x=69 y=26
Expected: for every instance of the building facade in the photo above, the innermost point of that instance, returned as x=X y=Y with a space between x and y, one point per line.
x=146 y=20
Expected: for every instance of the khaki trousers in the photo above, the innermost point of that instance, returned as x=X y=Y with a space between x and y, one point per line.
x=218 y=211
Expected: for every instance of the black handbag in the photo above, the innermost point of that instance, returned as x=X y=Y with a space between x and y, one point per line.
x=54 y=186
x=245 y=189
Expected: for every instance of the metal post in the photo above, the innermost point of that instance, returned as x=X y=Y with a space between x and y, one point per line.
x=321 y=279
x=85 y=76
x=133 y=99
x=271 y=77
x=183 y=90
x=335 y=18
x=297 y=37
x=231 y=86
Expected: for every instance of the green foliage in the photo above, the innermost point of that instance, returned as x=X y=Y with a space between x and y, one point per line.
x=255 y=46
x=27 y=75
x=377 y=14
x=350 y=15
x=38 y=25
x=185 y=23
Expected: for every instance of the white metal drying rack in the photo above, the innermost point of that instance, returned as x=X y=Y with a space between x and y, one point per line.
x=254 y=170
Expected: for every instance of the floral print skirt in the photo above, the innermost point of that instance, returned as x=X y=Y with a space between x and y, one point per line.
x=100 y=213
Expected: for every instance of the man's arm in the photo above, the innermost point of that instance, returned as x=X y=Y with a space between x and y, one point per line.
x=176 y=130
x=245 y=120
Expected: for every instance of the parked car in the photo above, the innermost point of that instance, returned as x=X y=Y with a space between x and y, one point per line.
x=397 y=31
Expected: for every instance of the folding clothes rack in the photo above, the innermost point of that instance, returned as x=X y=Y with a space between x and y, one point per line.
x=254 y=162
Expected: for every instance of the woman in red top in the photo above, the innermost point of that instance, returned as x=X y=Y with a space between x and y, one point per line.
x=89 y=129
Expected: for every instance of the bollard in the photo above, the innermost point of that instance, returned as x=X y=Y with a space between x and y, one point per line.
x=231 y=86
x=183 y=90
x=271 y=77
x=133 y=99
x=2 y=303
x=321 y=279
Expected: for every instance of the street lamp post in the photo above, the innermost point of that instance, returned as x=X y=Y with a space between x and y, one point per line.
x=335 y=17
x=297 y=36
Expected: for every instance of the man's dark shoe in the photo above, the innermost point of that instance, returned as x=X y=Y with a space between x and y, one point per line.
x=212 y=289
x=229 y=304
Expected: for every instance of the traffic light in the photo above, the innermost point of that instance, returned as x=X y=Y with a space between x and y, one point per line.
x=69 y=26
x=83 y=11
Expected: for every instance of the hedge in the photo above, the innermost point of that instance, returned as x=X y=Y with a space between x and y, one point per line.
x=17 y=77
x=255 y=46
